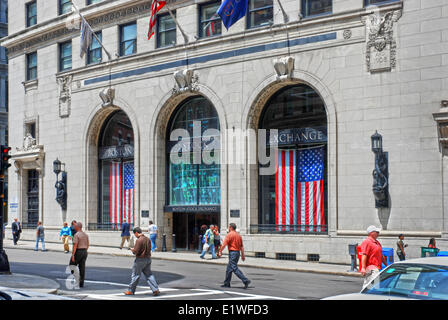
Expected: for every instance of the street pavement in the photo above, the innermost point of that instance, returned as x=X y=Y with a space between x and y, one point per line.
x=107 y=277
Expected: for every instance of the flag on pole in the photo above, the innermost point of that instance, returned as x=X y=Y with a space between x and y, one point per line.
x=128 y=192
x=115 y=194
x=86 y=37
x=310 y=189
x=285 y=189
x=231 y=11
x=155 y=8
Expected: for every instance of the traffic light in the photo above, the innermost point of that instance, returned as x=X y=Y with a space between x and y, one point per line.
x=5 y=159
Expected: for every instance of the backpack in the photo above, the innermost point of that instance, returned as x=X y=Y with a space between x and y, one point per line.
x=203 y=239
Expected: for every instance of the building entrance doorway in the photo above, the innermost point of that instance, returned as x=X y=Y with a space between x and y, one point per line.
x=187 y=228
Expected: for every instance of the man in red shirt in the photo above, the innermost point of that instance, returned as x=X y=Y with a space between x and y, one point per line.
x=235 y=243
x=372 y=255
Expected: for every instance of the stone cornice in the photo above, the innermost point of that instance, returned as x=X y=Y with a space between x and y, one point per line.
x=27 y=40
x=45 y=33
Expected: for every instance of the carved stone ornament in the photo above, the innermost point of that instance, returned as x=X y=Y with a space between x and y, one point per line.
x=29 y=156
x=29 y=144
x=65 y=95
x=107 y=96
x=284 y=67
x=381 y=45
x=186 y=80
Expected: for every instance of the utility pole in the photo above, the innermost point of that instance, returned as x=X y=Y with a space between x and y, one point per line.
x=4 y=165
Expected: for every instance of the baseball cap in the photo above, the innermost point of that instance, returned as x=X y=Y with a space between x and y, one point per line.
x=372 y=229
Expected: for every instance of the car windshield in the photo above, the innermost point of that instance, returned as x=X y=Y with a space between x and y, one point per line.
x=416 y=281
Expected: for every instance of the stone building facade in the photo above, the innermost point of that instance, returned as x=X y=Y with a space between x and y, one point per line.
x=341 y=69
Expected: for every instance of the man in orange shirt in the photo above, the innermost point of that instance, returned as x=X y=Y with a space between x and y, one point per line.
x=235 y=243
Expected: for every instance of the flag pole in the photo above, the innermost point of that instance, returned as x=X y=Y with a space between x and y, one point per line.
x=93 y=32
x=177 y=23
x=285 y=21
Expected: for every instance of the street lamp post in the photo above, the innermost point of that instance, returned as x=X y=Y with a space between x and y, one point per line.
x=380 y=174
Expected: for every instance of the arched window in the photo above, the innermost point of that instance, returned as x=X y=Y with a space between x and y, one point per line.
x=116 y=169
x=294 y=199
x=193 y=183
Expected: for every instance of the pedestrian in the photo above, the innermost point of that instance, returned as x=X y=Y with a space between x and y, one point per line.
x=236 y=249
x=432 y=243
x=125 y=233
x=79 y=254
x=72 y=228
x=40 y=236
x=142 y=263
x=217 y=239
x=65 y=235
x=372 y=255
x=16 y=231
x=400 y=248
x=209 y=243
x=153 y=235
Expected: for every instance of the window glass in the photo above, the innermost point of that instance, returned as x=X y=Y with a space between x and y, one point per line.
x=316 y=7
x=31 y=13
x=166 y=31
x=260 y=13
x=291 y=110
x=413 y=281
x=192 y=183
x=128 y=39
x=210 y=24
x=65 y=6
x=65 y=55
x=372 y=2
x=32 y=66
x=94 y=54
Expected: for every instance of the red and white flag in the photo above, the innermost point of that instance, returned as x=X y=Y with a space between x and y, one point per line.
x=285 y=189
x=115 y=193
x=155 y=8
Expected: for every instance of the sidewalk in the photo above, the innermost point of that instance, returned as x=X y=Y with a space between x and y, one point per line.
x=28 y=282
x=260 y=263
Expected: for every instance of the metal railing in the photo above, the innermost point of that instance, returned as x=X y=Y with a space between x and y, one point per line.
x=288 y=229
x=106 y=226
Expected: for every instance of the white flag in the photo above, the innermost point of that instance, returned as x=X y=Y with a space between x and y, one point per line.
x=86 y=37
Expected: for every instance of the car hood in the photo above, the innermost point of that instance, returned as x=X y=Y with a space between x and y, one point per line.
x=363 y=296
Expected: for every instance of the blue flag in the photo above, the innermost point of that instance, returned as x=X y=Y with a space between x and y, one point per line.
x=231 y=11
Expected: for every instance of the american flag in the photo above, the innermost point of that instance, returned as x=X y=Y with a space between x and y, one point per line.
x=155 y=7
x=115 y=193
x=299 y=190
x=310 y=189
x=285 y=189
x=128 y=192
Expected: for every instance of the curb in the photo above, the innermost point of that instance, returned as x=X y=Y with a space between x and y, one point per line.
x=338 y=273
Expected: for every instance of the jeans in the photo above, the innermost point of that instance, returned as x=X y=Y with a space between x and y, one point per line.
x=153 y=238
x=234 y=257
x=142 y=265
x=37 y=243
x=401 y=256
x=212 y=246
